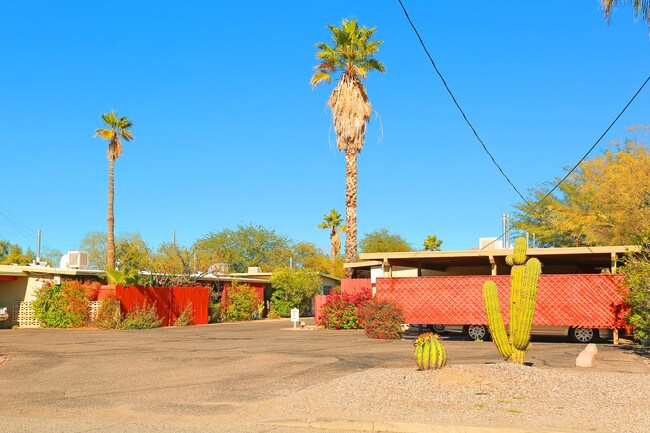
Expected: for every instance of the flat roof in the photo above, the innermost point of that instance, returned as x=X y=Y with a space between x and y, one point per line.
x=576 y=255
x=11 y=270
x=267 y=275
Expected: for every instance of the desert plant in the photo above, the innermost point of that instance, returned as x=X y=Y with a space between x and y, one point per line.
x=109 y=315
x=241 y=302
x=61 y=305
x=341 y=311
x=145 y=317
x=381 y=319
x=430 y=353
x=186 y=318
x=524 y=277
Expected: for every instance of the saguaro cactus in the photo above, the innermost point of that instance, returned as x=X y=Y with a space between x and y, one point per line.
x=524 y=277
x=429 y=354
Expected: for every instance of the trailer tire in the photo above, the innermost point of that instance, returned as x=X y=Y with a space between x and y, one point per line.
x=583 y=335
x=477 y=332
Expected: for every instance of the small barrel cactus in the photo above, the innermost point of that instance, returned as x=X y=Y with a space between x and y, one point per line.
x=429 y=354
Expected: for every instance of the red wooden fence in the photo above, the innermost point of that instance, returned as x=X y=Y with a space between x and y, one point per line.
x=352 y=286
x=592 y=301
x=170 y=302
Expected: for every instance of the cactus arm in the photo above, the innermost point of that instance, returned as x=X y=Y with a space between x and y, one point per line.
x=516 y=297
x=519 y=253
x=495 y=321
x=521 y=338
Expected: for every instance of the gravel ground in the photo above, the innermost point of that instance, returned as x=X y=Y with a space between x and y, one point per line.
x=484 y=395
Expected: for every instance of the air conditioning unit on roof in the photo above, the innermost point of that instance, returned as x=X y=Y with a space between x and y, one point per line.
x=489 y=244
x=76 y=260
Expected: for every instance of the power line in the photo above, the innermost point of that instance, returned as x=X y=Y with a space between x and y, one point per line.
x=462 y=112
x=533 y=208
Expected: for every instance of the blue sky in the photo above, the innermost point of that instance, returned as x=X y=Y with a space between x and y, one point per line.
x=228 y=131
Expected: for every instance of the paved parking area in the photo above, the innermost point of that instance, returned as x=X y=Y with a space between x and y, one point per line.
x=208 y=378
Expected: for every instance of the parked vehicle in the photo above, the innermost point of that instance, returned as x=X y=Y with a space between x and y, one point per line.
x=4 y=313
x=575 y=334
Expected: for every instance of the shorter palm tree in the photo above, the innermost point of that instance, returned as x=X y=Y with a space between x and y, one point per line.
x=116 y=129
x=333 y=222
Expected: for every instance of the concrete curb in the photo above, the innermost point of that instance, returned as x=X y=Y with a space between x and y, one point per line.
x=396 y=427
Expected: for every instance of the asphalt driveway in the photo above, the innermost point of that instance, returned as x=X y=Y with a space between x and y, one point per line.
x=208 y=378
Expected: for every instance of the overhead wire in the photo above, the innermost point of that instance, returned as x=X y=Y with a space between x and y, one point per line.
x=537 y=204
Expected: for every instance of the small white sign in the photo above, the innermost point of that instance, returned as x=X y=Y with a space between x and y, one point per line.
x=295 y=315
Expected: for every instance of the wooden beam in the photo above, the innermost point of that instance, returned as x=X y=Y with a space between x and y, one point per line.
x=8 y=278
x=493 y=265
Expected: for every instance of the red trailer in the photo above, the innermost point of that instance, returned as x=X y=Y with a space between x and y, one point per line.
x=579 y=293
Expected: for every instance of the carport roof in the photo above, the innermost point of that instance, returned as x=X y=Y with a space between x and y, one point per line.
x=591 y=256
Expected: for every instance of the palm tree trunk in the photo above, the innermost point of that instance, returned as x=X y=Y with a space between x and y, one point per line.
x=110 y=251
x=351 y=186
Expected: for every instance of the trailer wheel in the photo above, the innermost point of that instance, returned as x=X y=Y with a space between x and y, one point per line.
x=582 y=335
x=476 y=332
x=439 y=328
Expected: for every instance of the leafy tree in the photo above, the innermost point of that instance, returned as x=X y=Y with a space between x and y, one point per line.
x=637 y=280
x=13 y=253
x=115 y=130
x=294 y=288
x=432 y=243
x=250 y=245
x=333 y=221
x=132 y=256
x=308 y=255
x=382 y=241
x=95 y=244
x=351 y=54
x=174 y=265
x=641 y=8
x=605 y=201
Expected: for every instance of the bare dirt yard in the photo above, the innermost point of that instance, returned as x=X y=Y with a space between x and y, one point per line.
x=245 y=377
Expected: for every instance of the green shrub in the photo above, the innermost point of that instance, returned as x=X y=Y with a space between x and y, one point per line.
x=637 y=280
x=109 y=315
x=61 y=306
x=272 y=313
x=187 y=316
x=381 y=319
x=294 y=288
x=214 y=312
x=242 y=302
x=145 y=317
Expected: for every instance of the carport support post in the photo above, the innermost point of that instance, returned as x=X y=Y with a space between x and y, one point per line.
x=493 y=265
x=615 y=336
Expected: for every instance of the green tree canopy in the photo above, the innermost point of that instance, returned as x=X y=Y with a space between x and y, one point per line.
x=382 y=240
x=432 y=243
x=13 y=254
x=605 y=201
x=247 y=245
x=294 y=288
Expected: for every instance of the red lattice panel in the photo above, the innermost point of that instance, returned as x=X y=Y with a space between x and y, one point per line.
x=563 y=300
x=352 y=286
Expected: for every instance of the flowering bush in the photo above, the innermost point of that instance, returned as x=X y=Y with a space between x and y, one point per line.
x=145 y=317
x=341 y=311
x=61 y=305
x=381 y=319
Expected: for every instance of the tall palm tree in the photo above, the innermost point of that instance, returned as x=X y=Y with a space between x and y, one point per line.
x=641 y=8
x=351 y=55
x=116 y=129
x=333 y=222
